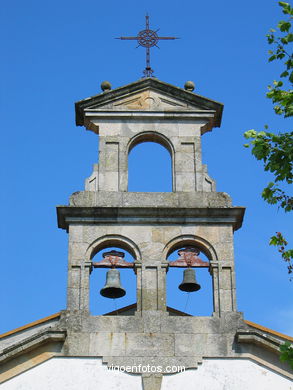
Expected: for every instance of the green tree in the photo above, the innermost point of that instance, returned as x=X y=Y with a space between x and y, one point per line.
x=276 y=149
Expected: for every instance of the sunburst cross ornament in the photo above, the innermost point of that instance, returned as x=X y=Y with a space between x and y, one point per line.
x=147 y=38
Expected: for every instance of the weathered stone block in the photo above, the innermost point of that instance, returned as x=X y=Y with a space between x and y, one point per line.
x=150 y=344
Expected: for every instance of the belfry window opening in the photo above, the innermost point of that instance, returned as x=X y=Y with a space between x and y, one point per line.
x=112 y=281
x=189 y=289
x=149 y=168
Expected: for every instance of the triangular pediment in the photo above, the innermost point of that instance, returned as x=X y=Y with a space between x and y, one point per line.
x=148 y=100
x=148 y=95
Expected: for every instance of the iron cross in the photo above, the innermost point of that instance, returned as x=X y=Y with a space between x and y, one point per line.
x=147 y=38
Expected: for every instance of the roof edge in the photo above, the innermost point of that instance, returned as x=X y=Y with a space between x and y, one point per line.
x=268 y=330
x=30 y=325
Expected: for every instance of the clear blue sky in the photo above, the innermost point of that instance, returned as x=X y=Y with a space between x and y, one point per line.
x=58 y=52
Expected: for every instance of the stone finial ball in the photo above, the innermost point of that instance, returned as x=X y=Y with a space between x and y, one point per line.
x=106 y=86
x=189 y=86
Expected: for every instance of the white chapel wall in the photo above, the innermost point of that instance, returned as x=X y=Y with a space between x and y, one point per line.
x=227 y=374
x=72 y=374
x=90 y=374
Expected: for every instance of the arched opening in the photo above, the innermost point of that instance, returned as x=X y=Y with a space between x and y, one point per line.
x=150 y=163
x=103 y=305
x=196 y=303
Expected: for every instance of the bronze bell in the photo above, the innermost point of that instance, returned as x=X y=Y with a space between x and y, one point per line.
x=113 y=288
x=189 y=283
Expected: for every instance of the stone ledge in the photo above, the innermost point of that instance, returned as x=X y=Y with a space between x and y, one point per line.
x=260 y=339
x=68 y=215
x=31 y=343
x=150 y=199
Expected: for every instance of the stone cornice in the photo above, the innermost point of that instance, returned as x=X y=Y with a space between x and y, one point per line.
x=148 y=215
x=110 y=114
x=42 y=337
x=259 y=338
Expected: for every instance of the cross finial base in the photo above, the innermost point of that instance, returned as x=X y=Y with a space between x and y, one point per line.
x=148 y=72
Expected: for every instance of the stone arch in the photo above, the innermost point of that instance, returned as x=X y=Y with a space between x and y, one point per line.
x=161 y=139
x=151 y=136
x=113 y=240
x=189 y=239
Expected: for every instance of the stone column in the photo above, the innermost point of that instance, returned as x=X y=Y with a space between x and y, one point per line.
x=109 y=164
x=73 y=290
x=85 y=286
x=198 y=164
x=215 y=285
x=184 y=165
x=151 y=287
x=123 y=164
x=223 y=286
x=78 y=271
x=78 y=287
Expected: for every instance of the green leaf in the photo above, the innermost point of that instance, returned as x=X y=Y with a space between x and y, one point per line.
x=261 y=134
x=278 y=110
x=273 y=241
x=284 y=26
x=270 y=39
x=250 y=134
x=280 y=56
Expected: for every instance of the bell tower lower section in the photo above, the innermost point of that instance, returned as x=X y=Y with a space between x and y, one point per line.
x=150 y=234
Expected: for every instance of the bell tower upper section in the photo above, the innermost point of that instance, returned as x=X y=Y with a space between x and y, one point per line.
x=149 y=110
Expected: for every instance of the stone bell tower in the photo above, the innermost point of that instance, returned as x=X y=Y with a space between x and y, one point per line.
x=150 y=225
x=75 y=349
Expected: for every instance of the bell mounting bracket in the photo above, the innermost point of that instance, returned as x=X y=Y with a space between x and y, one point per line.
x=113 y=259
x=189 y=258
